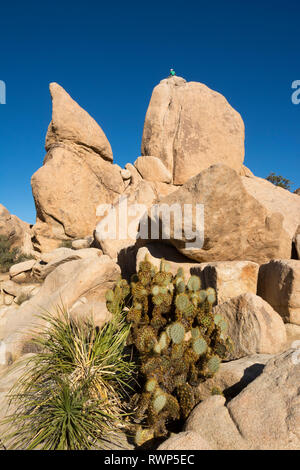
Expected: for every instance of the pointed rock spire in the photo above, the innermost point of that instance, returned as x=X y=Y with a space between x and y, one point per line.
x=72 y=124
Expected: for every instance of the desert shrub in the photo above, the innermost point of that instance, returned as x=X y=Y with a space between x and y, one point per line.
x=279 y=180
x=8 y=255
x=66 y=244
x=178 y=341
x=72 y=395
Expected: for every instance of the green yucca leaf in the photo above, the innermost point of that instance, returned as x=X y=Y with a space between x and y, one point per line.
x=71 y=395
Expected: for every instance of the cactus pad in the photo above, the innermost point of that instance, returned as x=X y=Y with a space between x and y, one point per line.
x=194 y=283
x=177 y=332
x=213 y=364
x=200 y=346
x=159 y=401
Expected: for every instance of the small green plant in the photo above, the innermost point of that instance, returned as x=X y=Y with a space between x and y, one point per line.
x=279 y=180
x=8 y=255
x=72 y=394
x=178 y=340
x=66 y=244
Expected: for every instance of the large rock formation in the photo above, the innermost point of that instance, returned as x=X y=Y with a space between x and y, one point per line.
x=236 y=225
x=190 y=127
x=275 y=199
x=279 y=285
x=72 y=124
x=17 y=231
x=230 y=278
x=126 y=215
x=76 y=177
x=267 y=411
x=264 y=416
x=253 y=326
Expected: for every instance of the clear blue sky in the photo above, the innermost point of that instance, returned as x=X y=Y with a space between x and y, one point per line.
x=110 y=55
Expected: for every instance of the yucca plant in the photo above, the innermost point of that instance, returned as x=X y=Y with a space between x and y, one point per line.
x=73 y=393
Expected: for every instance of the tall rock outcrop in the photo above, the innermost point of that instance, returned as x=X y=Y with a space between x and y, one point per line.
x=72 y=124
x=77 y=175
x=191 y=127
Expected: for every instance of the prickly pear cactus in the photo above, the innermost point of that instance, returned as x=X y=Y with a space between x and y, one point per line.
x=179 y=341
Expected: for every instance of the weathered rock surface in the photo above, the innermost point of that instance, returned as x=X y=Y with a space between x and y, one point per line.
x=67 y=191
x=234 y=376
x=118 y=229
x=279 y=285
x=126 y=175
x=253 y=326
x=153 y=169
x=246 y=172
x=81 y=243
x=185 y=440
x=292 y=335
x=267 y=411
x=96 y=310
x=20 y=268
x=62 y=288
x=126 y=215
x=236 y=225
x=77 y=175
x=134 y=174
x=17 y=231
x=190 y=127
x=212 y=421
x=59 y=256
x=11 y=288
x=264 y=416
x=72 y=124
x=275 y=199
x=8 y=378
x=230 y=278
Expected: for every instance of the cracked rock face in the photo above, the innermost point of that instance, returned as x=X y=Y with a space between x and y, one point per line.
x=190 y=127
x=76 y=177
x=264 y=416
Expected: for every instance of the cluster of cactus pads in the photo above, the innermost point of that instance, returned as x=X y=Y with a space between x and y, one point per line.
x=179 y=341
